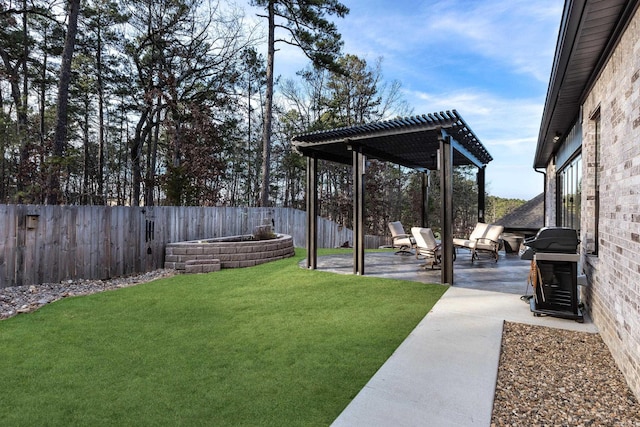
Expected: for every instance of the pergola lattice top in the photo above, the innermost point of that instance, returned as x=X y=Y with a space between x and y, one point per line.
x=411 y=141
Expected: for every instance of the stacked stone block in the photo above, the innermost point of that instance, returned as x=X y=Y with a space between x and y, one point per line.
x=202 y=265
x=228 y=254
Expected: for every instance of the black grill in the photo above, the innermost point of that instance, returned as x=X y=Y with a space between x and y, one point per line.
x=554 y=260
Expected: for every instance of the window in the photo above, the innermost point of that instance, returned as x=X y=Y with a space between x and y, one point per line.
x=592 y=240
x=570 y=193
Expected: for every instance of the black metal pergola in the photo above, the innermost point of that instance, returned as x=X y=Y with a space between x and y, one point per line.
x=437 y=141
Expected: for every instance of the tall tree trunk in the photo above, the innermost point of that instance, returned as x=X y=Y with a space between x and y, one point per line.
x=60 y=136
x=122 y=155
x=152 y=155
x=249 y=157
x=13 y=76
x=43 y=92
x=85 y=195
x=101 y=195
x=135 y=149
x=3 y=132
x=268 y=108
x=25 y=59
x=22 y=106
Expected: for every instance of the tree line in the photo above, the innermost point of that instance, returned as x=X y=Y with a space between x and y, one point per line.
x=169 y=102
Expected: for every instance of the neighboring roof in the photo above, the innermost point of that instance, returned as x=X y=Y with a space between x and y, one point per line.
x=529 y=216
x=412 y=141
x=589 y=31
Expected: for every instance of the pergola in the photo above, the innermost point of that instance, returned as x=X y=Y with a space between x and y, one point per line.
x=437 y=141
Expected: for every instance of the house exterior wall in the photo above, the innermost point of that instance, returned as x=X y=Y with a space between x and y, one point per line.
x=613 y=294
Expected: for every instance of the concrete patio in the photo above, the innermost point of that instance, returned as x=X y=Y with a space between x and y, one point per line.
x=508 y=275
x=444 y=373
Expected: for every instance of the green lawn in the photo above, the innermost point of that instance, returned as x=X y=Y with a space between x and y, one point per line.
x=268 y=345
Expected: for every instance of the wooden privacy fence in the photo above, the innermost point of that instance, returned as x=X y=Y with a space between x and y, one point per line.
x=48 y=244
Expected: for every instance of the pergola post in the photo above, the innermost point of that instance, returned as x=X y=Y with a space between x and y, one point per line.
x=312 y=212
x=425 y=199
x=480 y=179
x=446 y=194
x=358 y=210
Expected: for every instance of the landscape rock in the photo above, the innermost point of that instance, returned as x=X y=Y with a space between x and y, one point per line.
x=25 y=299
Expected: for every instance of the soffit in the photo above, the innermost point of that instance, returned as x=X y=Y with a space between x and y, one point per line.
x=588 y=34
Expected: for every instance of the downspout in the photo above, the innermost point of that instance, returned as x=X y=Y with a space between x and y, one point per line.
x=544 y=197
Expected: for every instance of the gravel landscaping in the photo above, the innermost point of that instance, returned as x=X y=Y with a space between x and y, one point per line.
x=24 y=299
x=555 y=377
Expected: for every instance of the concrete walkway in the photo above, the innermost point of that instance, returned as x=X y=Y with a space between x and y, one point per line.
x=444 y=373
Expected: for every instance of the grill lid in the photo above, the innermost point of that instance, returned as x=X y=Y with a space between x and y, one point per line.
x=554 y=239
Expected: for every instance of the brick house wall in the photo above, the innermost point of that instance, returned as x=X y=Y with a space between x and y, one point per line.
x=613 y=295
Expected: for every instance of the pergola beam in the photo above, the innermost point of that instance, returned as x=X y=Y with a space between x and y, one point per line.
x=466 y=153
x=372 y=152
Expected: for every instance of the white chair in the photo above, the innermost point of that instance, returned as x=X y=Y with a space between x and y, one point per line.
x=485 y=237
x=399 y=239
x=426 y=245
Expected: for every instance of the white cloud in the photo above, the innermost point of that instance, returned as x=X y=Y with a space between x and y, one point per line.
x=508 y=128
x=520 y=34
x=495 y=119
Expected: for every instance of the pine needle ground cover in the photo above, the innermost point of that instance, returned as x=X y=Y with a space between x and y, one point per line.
x=269 y=345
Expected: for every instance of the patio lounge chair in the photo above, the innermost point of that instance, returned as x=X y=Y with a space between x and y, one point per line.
x=400 y=239
x=485 y=237
x=426 y=245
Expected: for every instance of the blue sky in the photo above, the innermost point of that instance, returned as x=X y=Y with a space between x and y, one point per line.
x=488 y=59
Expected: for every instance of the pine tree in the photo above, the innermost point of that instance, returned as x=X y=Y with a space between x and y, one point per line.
x=60 y=137
x=305 y=26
